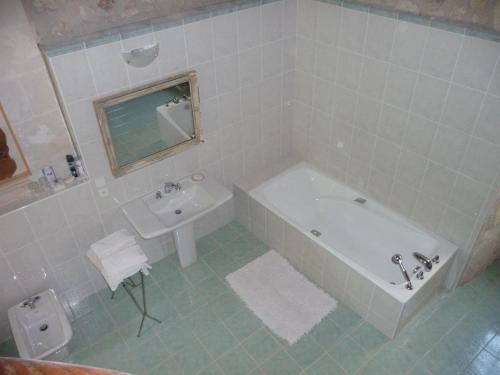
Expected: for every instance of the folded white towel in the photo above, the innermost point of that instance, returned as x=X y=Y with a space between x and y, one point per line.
x=116 y=241
x=118 y=266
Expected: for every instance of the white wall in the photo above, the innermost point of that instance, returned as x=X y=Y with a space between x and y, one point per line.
x=43 y=245
x=406 y=113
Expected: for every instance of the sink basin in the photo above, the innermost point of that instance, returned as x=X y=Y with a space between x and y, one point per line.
x=175 y=212
x=177 y=207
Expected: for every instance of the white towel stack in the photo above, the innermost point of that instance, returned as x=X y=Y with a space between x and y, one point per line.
x=117 y=257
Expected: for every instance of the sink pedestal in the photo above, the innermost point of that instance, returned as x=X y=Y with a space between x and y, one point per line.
x=185 y=245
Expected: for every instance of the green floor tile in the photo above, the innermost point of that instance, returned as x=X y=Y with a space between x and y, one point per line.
x=261 y=345
x=8 y=349
x=375 y=368
x=229 y=232
x=325 y=365
x=198 y=272
x=345 y=318
x=206 y=245
x=151 y=352
x=221 y=263
x=305 y=351
x=213 y=369
x=368 y=337
x=281 y=364
x=168 y=366
x=243 y=324
x=173 y=283
x=350 y=355
x=193 y=357
x=393 y=358
x=95 y=325
x=226 y=306
x=236 y=362
x=176 y=336
x=218 y=340
x=327 y=333
x=202 y=320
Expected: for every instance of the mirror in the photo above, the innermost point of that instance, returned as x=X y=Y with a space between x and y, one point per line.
x=149 y=123
x=13 y=165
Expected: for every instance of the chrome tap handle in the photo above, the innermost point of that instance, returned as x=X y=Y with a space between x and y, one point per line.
x=398 y=259
x=426 y=262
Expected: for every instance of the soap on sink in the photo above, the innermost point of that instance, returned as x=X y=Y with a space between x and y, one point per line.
x=197 y=177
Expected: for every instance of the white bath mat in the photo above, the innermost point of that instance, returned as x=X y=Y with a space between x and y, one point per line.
x=288 y=303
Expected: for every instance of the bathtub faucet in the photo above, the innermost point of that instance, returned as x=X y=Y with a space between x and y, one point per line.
x=426 y=262
x=398 y=259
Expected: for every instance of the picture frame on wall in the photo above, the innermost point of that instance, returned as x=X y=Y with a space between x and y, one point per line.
x=13 y=165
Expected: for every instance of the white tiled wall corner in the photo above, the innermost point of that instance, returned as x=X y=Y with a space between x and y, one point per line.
x=430 y=134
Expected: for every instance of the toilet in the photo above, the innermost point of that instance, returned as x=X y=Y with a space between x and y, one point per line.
x=40 y=327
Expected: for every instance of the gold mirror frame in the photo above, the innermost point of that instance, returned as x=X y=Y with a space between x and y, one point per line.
x=101 y=104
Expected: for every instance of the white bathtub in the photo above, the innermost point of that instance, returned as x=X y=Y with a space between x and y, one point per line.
x=356 y=240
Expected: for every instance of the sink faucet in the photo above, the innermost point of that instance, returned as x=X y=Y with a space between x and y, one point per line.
x=398 y=259
x=168 y=187
x=30 y=302
x=426 y=262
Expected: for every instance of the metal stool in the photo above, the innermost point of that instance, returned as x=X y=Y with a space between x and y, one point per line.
x=129 y=284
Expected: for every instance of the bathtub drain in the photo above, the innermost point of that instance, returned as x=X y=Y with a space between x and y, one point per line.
x=315 y=232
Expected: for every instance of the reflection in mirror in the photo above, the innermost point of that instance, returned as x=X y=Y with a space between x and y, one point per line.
x=147 y=124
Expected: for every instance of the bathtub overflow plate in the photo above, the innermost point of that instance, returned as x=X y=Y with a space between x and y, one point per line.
x=315 y=232
x=178 y=212
x=44 y=327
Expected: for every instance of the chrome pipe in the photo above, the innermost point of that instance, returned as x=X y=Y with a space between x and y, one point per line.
x=398 y=259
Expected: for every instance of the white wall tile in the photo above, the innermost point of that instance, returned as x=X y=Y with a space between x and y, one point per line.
x=225 y=35
x=344 y=104
x=392 y=124
x=476 y=62
x=462 y=108
x=227 y=75
x=352 y=29
x=441 y=53
x=272 y=63
x=379 y=36
x=306 y=18
x=272 y=21
x=327 y=23
x=468 y=195
x=172 y=55
x=481 y=160
x=45 y=217
x=419 y=135
x=349 y=69
x=449 y=147
x=438 y=181
x=250 y=66
x=400 y=84
x=367 y=114
x=488 y=124
x=409 y=43
x=411 y=169
x=325 y=62
x=429 y=97
x=199 y=41
x=108 y=68
x=248 y=28
x=373 y=78
x=73 y=76
x=15 y=231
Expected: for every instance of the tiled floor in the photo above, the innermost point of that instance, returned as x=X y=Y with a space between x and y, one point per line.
x=207 y=330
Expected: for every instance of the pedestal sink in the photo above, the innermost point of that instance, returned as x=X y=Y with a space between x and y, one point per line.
x=157 y=213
